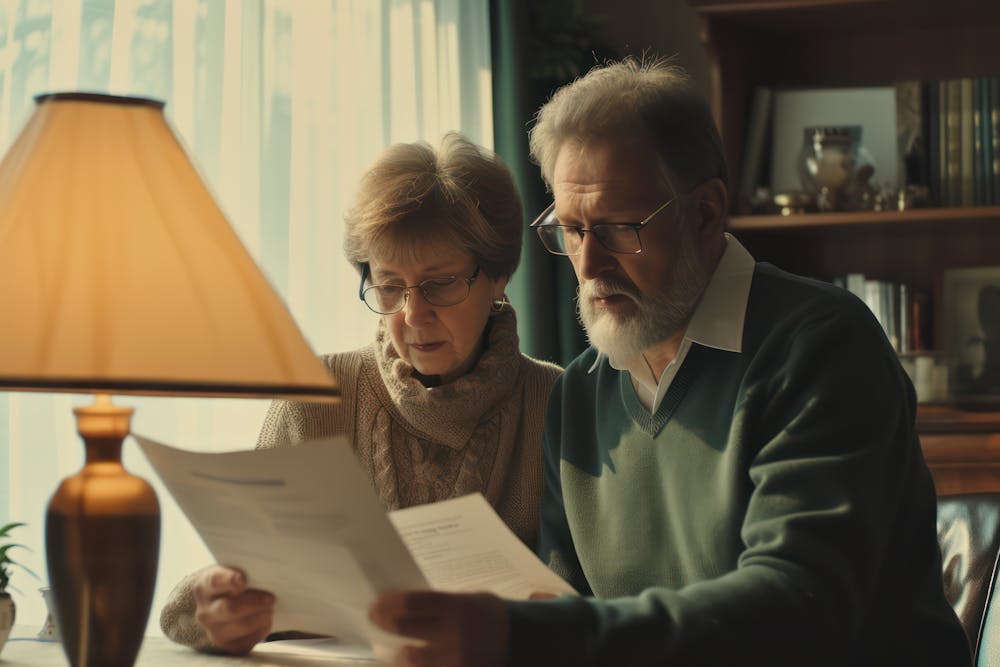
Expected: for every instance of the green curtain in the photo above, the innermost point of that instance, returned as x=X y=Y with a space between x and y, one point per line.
x=544 y=288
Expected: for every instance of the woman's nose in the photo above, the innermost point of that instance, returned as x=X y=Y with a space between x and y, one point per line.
x=417 y=311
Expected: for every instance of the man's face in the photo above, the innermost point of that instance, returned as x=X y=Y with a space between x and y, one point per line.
x=627 y=302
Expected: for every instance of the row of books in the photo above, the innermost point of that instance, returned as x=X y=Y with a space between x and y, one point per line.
x=962 y=122
x=900 y=309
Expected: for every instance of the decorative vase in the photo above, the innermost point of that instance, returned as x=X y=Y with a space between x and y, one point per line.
x=49 y=631
x=7 y=613
x=834 y=166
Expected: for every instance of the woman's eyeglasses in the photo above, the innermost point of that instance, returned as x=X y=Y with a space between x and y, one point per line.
x=619 y=237
x=438 y=291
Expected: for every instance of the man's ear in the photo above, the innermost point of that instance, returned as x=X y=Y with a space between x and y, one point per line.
x=713 y=206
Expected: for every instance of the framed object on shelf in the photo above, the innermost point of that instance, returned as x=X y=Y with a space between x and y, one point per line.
x=873 y=110
x=972 y=334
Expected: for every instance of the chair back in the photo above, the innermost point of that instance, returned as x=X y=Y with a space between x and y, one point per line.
x=968 y=528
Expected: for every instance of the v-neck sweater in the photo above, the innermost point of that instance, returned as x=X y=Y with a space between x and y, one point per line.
x=775 y=509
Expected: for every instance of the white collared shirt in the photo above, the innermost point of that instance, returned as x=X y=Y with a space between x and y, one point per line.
x=717 y=322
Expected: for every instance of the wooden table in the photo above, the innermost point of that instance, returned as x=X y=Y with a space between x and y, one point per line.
x=23 y=650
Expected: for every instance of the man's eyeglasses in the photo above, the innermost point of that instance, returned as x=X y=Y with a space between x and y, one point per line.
x=438 y=291
x=619 y=237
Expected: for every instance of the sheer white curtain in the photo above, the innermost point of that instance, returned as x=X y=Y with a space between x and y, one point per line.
x=282 y=103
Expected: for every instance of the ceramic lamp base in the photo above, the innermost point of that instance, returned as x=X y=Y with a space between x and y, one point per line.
x=102 y=533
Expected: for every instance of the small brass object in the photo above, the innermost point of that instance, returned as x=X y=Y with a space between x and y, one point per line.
x=793 y=203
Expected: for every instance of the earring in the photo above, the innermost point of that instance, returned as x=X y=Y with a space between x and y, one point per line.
x=498 y=305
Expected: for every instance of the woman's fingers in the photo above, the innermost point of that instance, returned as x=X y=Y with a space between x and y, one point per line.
x=236 y=623
x=219 y=581
x=234 y=617
x=239 y=637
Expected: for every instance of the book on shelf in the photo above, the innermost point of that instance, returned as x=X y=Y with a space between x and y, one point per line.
x=978 y=181
x=995 y=137
x=965 y=169
x=984 y=148
x=953 y=143
x=933 y=133
x=898 y=307
x=757 y=136
x=905 y=324
x=963 y=151
x=985 y=108
x=855 y=283
x=910 y=133
x=942 y=123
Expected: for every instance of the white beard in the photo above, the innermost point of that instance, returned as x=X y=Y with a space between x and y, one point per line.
x=622 y=339
x=656 y=317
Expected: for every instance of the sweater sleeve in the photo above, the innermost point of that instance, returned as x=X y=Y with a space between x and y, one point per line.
x=177 y=618
x=832 y=459
x=283 y=423
x=294 y=422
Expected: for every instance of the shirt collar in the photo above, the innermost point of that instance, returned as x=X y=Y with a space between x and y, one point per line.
x=719 y=316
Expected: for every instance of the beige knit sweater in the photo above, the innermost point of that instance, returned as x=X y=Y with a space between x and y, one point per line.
x=481 y=432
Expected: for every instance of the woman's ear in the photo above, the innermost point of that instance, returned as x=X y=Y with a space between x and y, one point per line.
x=713 y=206
x=499 y=286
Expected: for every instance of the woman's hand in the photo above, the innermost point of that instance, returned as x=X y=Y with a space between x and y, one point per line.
x=235 y=617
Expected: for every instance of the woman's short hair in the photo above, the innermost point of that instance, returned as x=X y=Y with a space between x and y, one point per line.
x=651 y=102
x=416 y=198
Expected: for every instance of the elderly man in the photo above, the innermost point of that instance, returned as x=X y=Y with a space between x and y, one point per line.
x=732 y=471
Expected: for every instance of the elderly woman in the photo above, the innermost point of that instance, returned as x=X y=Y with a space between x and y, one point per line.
x=442 y=403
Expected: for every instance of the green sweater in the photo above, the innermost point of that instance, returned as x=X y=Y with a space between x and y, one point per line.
x=775 y=510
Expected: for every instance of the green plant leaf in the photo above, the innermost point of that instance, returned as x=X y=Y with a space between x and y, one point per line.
x=24 y=567
x=6 y=562
x=5 y=531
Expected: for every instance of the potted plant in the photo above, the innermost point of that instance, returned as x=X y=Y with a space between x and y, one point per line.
x=7 y=609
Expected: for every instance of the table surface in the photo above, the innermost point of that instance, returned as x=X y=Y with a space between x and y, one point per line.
x=24 y=650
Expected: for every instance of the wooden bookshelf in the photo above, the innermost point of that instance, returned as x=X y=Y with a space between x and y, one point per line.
x=853 y=43
x=962 y=448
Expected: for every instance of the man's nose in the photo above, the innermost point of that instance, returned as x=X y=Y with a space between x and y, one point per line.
x=417 y=311
x=594 y=259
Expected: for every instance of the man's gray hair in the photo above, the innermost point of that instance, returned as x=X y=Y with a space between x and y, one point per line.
x=651 y=102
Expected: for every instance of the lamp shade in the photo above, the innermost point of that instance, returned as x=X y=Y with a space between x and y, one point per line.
x=120 y=274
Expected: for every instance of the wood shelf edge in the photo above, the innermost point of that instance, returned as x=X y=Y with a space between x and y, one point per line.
x=743 y=6
x=945 y=420
x=739 y=223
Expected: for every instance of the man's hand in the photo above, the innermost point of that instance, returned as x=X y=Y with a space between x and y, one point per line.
x=461 y=630
x=235 y=617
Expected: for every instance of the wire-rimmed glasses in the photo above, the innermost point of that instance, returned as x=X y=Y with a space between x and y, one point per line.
x=618 y=237
x=438 y=291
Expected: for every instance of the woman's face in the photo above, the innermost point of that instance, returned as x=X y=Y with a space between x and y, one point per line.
x=438 y=340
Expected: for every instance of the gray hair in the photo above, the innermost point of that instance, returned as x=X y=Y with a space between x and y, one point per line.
x=650 y=102
x=415 y=197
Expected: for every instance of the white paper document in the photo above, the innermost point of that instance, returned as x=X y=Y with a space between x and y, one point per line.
x=304 y=523
x=461 y=545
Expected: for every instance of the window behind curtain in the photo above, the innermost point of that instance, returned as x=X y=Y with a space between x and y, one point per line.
x=282 y=104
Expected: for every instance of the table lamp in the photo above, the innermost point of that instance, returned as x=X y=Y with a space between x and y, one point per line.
x=119 y=274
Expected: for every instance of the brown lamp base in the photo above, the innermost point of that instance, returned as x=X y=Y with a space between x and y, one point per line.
x=102 y=534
